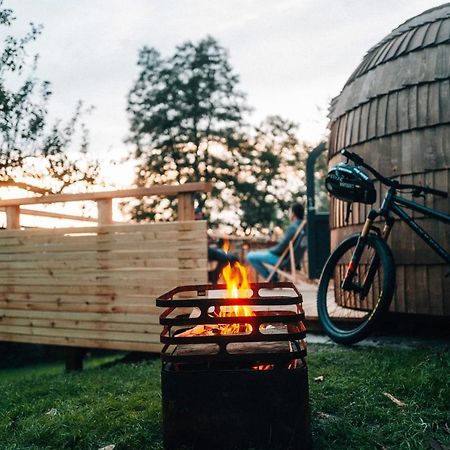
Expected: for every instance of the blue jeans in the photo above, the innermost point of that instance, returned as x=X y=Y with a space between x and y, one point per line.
x=256 y=259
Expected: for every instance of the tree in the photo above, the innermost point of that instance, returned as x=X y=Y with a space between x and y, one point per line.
x=186 y=122
x=272 y=175
x=29 y=147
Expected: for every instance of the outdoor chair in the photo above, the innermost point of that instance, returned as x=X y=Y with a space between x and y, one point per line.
x=290 y=261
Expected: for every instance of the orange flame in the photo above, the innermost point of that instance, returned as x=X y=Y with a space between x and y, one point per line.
x=236 y=280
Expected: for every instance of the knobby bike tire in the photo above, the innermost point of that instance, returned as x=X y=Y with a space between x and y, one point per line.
x=350 y=318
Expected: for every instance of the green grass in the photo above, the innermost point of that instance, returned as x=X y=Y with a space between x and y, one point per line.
x=119 y=403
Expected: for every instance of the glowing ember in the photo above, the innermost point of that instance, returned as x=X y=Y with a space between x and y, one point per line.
x=236 y=280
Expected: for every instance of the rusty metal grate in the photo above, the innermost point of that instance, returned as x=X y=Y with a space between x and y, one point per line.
x=276 y=325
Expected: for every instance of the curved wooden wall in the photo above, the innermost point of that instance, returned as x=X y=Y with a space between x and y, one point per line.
x=395 y=112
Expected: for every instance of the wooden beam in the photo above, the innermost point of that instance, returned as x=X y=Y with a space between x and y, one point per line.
x=137 y=193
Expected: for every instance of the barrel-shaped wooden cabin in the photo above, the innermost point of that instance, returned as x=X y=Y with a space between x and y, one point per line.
x=394 y=111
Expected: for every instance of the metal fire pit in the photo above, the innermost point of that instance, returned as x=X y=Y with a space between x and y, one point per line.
x=234 y=391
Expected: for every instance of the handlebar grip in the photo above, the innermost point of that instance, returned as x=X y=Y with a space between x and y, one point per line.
x=436 y=192
x=353 y=156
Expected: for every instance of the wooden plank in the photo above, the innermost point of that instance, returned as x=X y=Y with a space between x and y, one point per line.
x=138 y=260
x=391 y=114
x=372 y=118
x=80 y=342
x=363 y=123
x=83 y=334
x=420 y=282
x=115 y=228
x=381 y=116
x=82 y=308
x=435 y=274
x=422 y=105
x=444 y=101
x=147 y=254
x=410 y=299
x=165 y=190
x=60 y=299
x=97 y=317
x=79 y=247
x=89 y=238
x=348 y=131
x=101 y=278
x=398 y=304
x=155 y=289
x=412 y=107
x=81 y=325
x=138 y=231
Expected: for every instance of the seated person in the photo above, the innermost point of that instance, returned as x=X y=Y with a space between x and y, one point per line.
x=222 y=258
x=257 y=258
x=216 y=254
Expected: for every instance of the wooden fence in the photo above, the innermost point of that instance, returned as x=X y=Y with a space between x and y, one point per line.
x=96 y=286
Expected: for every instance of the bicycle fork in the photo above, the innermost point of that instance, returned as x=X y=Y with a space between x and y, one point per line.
x=348 y=283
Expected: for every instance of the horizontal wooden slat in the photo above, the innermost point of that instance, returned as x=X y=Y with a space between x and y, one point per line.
x=120 y=261
x=150 y=316
x=81 y=308
x=81 y=325
x=102 y=229
x=83 y=334
x=82 y=342
x=119 y=255
x=111 y=299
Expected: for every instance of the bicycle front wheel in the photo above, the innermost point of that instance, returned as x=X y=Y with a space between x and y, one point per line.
x=345 y=314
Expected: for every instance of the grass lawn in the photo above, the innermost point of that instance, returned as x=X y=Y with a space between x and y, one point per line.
x=119 y=403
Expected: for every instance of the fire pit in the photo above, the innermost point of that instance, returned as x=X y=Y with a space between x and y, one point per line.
x=233 y=373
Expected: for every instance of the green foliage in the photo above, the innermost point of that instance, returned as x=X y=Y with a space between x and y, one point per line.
x=114 y=403
x=186 y=124
x=29 y=148
x=185 y=118
x=322 y=197
x=271 y=174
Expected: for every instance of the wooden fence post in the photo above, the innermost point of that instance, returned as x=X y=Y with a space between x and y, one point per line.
x=73 y=357
x=185 y=206
x=12 y=217
x=104 y=208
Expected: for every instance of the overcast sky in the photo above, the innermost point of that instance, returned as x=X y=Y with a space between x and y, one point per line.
x=293 y=56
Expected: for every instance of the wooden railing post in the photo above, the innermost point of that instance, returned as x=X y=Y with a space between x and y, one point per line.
x=104 y=208
x=12 y=217
x=186 y=206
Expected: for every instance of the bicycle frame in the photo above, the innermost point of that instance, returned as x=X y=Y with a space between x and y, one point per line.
x=391 y=203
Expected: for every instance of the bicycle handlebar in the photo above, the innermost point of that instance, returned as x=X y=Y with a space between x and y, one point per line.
x=417 y=190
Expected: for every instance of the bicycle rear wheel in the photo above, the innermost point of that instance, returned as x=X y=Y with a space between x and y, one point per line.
x=344 y=315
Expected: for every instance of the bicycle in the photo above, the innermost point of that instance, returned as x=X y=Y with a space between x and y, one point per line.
x=350 y=309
